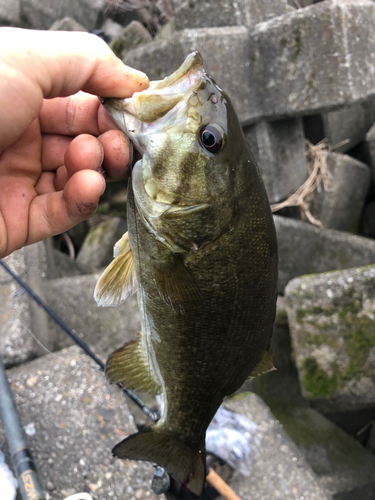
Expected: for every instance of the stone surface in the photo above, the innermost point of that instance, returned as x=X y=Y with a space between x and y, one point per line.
x=343 y=128
x=22 y=321
x=367 y=227
x=67 y=24
x=279 y=470
x=63 y=266
x=211 y=13
x=225 y=53
x=97 y=249
x=111 y=28
x=73 y=419
x=41 y=14
x=104 y=329
x=306 y=249
x=312 y=59
x=279 y=150
x=371 y=441
x=343 y=467
x=131 y=37
x=332 y=326
x=369 y=151
x=10 y=13
x=340 y=207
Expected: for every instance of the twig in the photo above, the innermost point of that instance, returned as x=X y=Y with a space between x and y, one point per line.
x=70 y=245
x=221 y=486
x=297 y=4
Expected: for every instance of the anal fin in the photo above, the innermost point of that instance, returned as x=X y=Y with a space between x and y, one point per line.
x=129 y=367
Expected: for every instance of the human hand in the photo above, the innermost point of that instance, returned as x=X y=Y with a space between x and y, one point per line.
x=55 y=141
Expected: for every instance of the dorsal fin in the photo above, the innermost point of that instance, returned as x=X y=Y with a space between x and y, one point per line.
x=118 y=281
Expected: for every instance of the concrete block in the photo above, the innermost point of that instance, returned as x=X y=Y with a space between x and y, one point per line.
x=279 y=150
x=67 y=24
x=343 y=467
x=97 y=249
x=225 y=53
x=369 y=151
x=367 y=226
x=340 y=207
x=343 y=128
x=73 y=418
x=279 y=470
x=10 y=13
x=332 y=326
x=104 y=329
x=306 y=249
x=111 y=28
x=41 y=14
x=313 y=59
x=131 y=37
x=211 y=13
x=22 y=322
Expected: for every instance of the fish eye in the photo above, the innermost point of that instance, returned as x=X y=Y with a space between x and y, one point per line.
x=211 y=138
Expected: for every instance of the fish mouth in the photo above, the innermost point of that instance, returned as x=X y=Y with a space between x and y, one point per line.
x=161 y=97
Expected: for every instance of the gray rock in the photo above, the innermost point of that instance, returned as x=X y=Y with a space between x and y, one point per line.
x=132 y=36
x=97 y=249
x=340 y=207
x=111 y=28
x=279 y=470
x=10 y=13
x=343 y=128
x=104 y=329
x=73 y=419
x=22 y=322
x=305 y=249
x=371 y=441
x=225 y=52
x=300 y=65
x=279 y=150
x=41 y=14
x=332 y=326
x=369 y=151
x=67 y=24
x=167 y=30
x=343 y=467
x=211 y=13
x=63 y=266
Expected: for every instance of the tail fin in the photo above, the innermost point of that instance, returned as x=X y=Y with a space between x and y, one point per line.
x=183 y=463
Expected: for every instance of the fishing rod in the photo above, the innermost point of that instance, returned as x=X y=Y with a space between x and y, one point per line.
x=150 y=414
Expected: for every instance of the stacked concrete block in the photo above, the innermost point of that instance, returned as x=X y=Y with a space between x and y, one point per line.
x=23 y=324
x=279 y=150
x=369 y=152
x=211 y=13
x=342 y=128
x=306 y=249
x=130 y=37
x=67 y=24
x=10 y=13
x=340 y=206
x=41 y=14
x=332 y=324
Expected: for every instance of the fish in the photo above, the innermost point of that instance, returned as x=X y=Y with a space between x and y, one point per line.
x=201 y=253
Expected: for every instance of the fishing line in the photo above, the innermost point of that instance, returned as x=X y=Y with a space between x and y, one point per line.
x=150 y=414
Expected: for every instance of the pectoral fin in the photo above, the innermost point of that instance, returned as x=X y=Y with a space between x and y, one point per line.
x=177 y=286
x=128 y=366
x=264 y=365
x=118 y=282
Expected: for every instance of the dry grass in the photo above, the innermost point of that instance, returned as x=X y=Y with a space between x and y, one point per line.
x=319 y=178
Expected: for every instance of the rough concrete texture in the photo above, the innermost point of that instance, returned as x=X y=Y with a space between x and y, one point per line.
x=211 y=13
x=279 y=150
x=368 y=220
x=131 y=37
x=370 y=151
x=344 y=468
x=343 y=128
x=306 y=61
x=67 y=24
x=225 y=53
x=41 y=14
x=21 y=320
x=111 y=28
x=62 y=266
x=73 y=418
x=332 y=326
x=279 y=470
x=104 y=329
x=340 y=207
x=10 y=13
x=97 y=249
x=306 y=249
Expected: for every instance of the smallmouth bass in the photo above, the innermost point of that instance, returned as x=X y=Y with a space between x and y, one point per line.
x=201 y=253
